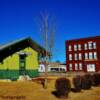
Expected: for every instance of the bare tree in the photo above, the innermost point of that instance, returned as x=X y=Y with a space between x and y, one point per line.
x=47 y=30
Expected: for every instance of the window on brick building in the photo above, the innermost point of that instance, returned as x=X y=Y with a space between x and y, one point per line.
x=85 y=46
x=90 y=45
x=70 y=56
x=86 y=55
x=70 y=48
x=79 y=47
x=80 y=56
x=75 y=47
x=76 y=66
x=95 y=55
x=94 y=45
x=90 y=55
x=80 y=66
x=75 y=57
x=70 y=66
x=91 y=67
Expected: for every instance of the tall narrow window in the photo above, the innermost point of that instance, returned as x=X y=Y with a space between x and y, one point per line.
x=90 y=55
x=79 y=47
x=75 y=57
x=22 y=64
x=95 y=55
x=70 y=56
x=90 y=45
x=70 y=48
x=94 y=45
x=76 y=66
x=75 y=47
x=80 y=66
x=70 y=66
x=80 y=56
x=86 y=55
x=85 y=46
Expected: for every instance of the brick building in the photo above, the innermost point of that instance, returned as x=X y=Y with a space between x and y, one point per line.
x=83 y=54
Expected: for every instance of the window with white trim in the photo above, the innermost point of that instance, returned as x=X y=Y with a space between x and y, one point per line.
x=79 y=47
x=70 y=48
x=75 y=57
x=76 y=66
x=90 y=67
x=70 y=56
x=80 y=66
x=85 y=46
x=95 y=55
x=94 y=45
x=86 y=55
x=70 y=66
x=75 y=47
x=90 y=45
x=80 y=56
x=90 y=55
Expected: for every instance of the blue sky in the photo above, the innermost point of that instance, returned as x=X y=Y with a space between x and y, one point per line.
x=74 y=19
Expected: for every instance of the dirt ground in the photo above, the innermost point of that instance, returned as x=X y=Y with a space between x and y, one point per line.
x=34 y=91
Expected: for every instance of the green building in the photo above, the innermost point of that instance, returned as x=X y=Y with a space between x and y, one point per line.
x=20 y=57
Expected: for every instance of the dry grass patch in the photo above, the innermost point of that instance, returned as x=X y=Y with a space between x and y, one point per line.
x=35 y=91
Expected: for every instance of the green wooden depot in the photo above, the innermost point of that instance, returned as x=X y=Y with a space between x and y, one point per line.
x=20 y=57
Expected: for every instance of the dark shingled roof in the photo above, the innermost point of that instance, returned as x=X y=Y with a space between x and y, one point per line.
x=15 y=46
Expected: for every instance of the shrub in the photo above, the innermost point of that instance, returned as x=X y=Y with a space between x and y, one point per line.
x=96 y=79
x=63 y=87
x=86 y=81
x=77 y=84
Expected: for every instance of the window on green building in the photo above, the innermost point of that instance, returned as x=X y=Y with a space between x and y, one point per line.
x=22 y=64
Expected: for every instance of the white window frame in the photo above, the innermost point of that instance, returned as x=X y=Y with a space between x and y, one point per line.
x=70 y=48
x=76 y=66
x=90 y=45
x=79 y=47
x=80 y=56
x=86 y=56
x=76 y=56
x=70 y=67
x=90 y=67
x=70 y=56
x=94 y=45
x=90 y=55
x=95 y=55
x=85 y=46
x=80 y=66
x=75 y=47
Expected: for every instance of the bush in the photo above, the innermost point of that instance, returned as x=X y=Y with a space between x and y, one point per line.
x=96 y=79
x=63 y=87
x=86 y=81
x=77 y=84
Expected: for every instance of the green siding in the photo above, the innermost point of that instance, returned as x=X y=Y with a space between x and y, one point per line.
x=10 y=67
x=32 y=73
x=14 y=74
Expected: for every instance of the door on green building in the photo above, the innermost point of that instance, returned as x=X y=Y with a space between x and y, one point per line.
x=22 y=64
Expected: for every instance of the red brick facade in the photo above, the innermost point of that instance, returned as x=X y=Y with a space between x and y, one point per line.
x=83 y=54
